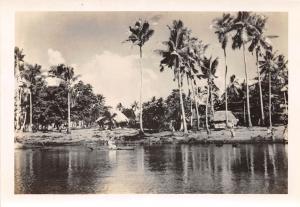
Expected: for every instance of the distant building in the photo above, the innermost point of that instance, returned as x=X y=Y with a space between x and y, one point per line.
x=219 y=119
x=114 y=119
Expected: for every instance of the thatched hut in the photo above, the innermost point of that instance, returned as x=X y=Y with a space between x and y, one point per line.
x=112 y=118
x=219 y=119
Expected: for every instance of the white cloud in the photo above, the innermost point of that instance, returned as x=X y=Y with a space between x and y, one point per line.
x=55 y=57
x=117 y=77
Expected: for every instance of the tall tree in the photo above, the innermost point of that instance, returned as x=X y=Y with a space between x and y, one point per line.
x=259 y=44
x=270 y=66
x=66 y=74
x=173 y=58
x=195 y=55
x=242 y=27
x=30 y=76
x=223 y=26
x=19 y=66
x=209 y=68
x=140 y=33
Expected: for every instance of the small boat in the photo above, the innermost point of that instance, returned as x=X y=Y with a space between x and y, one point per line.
x=113 y=146
x=235 y=145
x=125 y=148
x=219 y=144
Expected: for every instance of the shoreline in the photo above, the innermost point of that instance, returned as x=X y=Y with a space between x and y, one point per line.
x=125 y=136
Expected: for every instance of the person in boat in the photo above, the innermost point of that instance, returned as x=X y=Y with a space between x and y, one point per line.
x=111 y=145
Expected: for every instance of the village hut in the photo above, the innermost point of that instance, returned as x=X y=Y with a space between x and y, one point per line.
x=111 y=119
x=219 y=119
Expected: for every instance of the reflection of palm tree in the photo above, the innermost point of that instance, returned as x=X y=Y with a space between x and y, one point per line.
x=139 y=35
x=222 y=27
x=66 y=74
x=173 y=57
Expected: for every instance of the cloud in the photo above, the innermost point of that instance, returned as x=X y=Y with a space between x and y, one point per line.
x=117 y=77
x=55 y=57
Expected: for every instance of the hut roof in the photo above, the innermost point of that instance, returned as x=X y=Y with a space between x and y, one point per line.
x=220 y=116
x=118 y=118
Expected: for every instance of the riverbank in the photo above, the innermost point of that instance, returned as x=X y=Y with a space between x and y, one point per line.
x=95 y=136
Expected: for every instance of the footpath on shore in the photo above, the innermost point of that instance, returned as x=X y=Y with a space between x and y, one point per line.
x=131 y=136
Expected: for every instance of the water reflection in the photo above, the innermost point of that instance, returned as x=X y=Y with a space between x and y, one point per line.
x=153 y=169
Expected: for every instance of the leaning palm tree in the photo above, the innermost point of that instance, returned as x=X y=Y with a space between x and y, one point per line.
x=222 y=27
x=259 y=43
x=66 y=74
x=209 y=68
x=173 y=57
x=242 y=27
x=140 y=33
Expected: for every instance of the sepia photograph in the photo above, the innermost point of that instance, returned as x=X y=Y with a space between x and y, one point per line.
x=151 y=102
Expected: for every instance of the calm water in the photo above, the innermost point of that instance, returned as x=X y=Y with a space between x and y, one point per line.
x=153 y=169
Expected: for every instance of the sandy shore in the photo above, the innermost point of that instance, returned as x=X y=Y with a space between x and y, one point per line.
x=125 y=136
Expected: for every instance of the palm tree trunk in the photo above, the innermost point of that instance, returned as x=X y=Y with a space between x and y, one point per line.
x=24 y=121
x=191 y=102
x=181 y=103
x=30 y=113
x=141 y=88
x=260 y=93
x=197 y=110
x=226 y=101
x=245 y=121
x=270 y=101
x=18 y=97
x=212 y=103
x=247 y=88
x=285 y=102
x=206 y=110
x=69 y=113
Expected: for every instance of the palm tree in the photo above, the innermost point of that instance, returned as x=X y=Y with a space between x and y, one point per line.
x=222 y=27
x=209 y=68
x=234 y=88
x=173 y=57
x=30 y=76
x=140 y=33
x=19 y=63
x=120 y=106
x=242 y=26
x=197 y=48
x=66 y=74
x=271 y=66
x=259 y=44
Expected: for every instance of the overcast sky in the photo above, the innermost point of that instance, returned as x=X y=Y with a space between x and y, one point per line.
x=91 y=42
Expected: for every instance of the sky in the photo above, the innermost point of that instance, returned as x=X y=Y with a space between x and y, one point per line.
x=92 y=43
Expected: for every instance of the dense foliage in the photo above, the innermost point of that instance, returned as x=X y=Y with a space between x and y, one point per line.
x=70 y=102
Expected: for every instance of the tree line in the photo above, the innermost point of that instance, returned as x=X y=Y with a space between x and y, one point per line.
x=53 y=98
x=38 y=104
x=186 y=56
